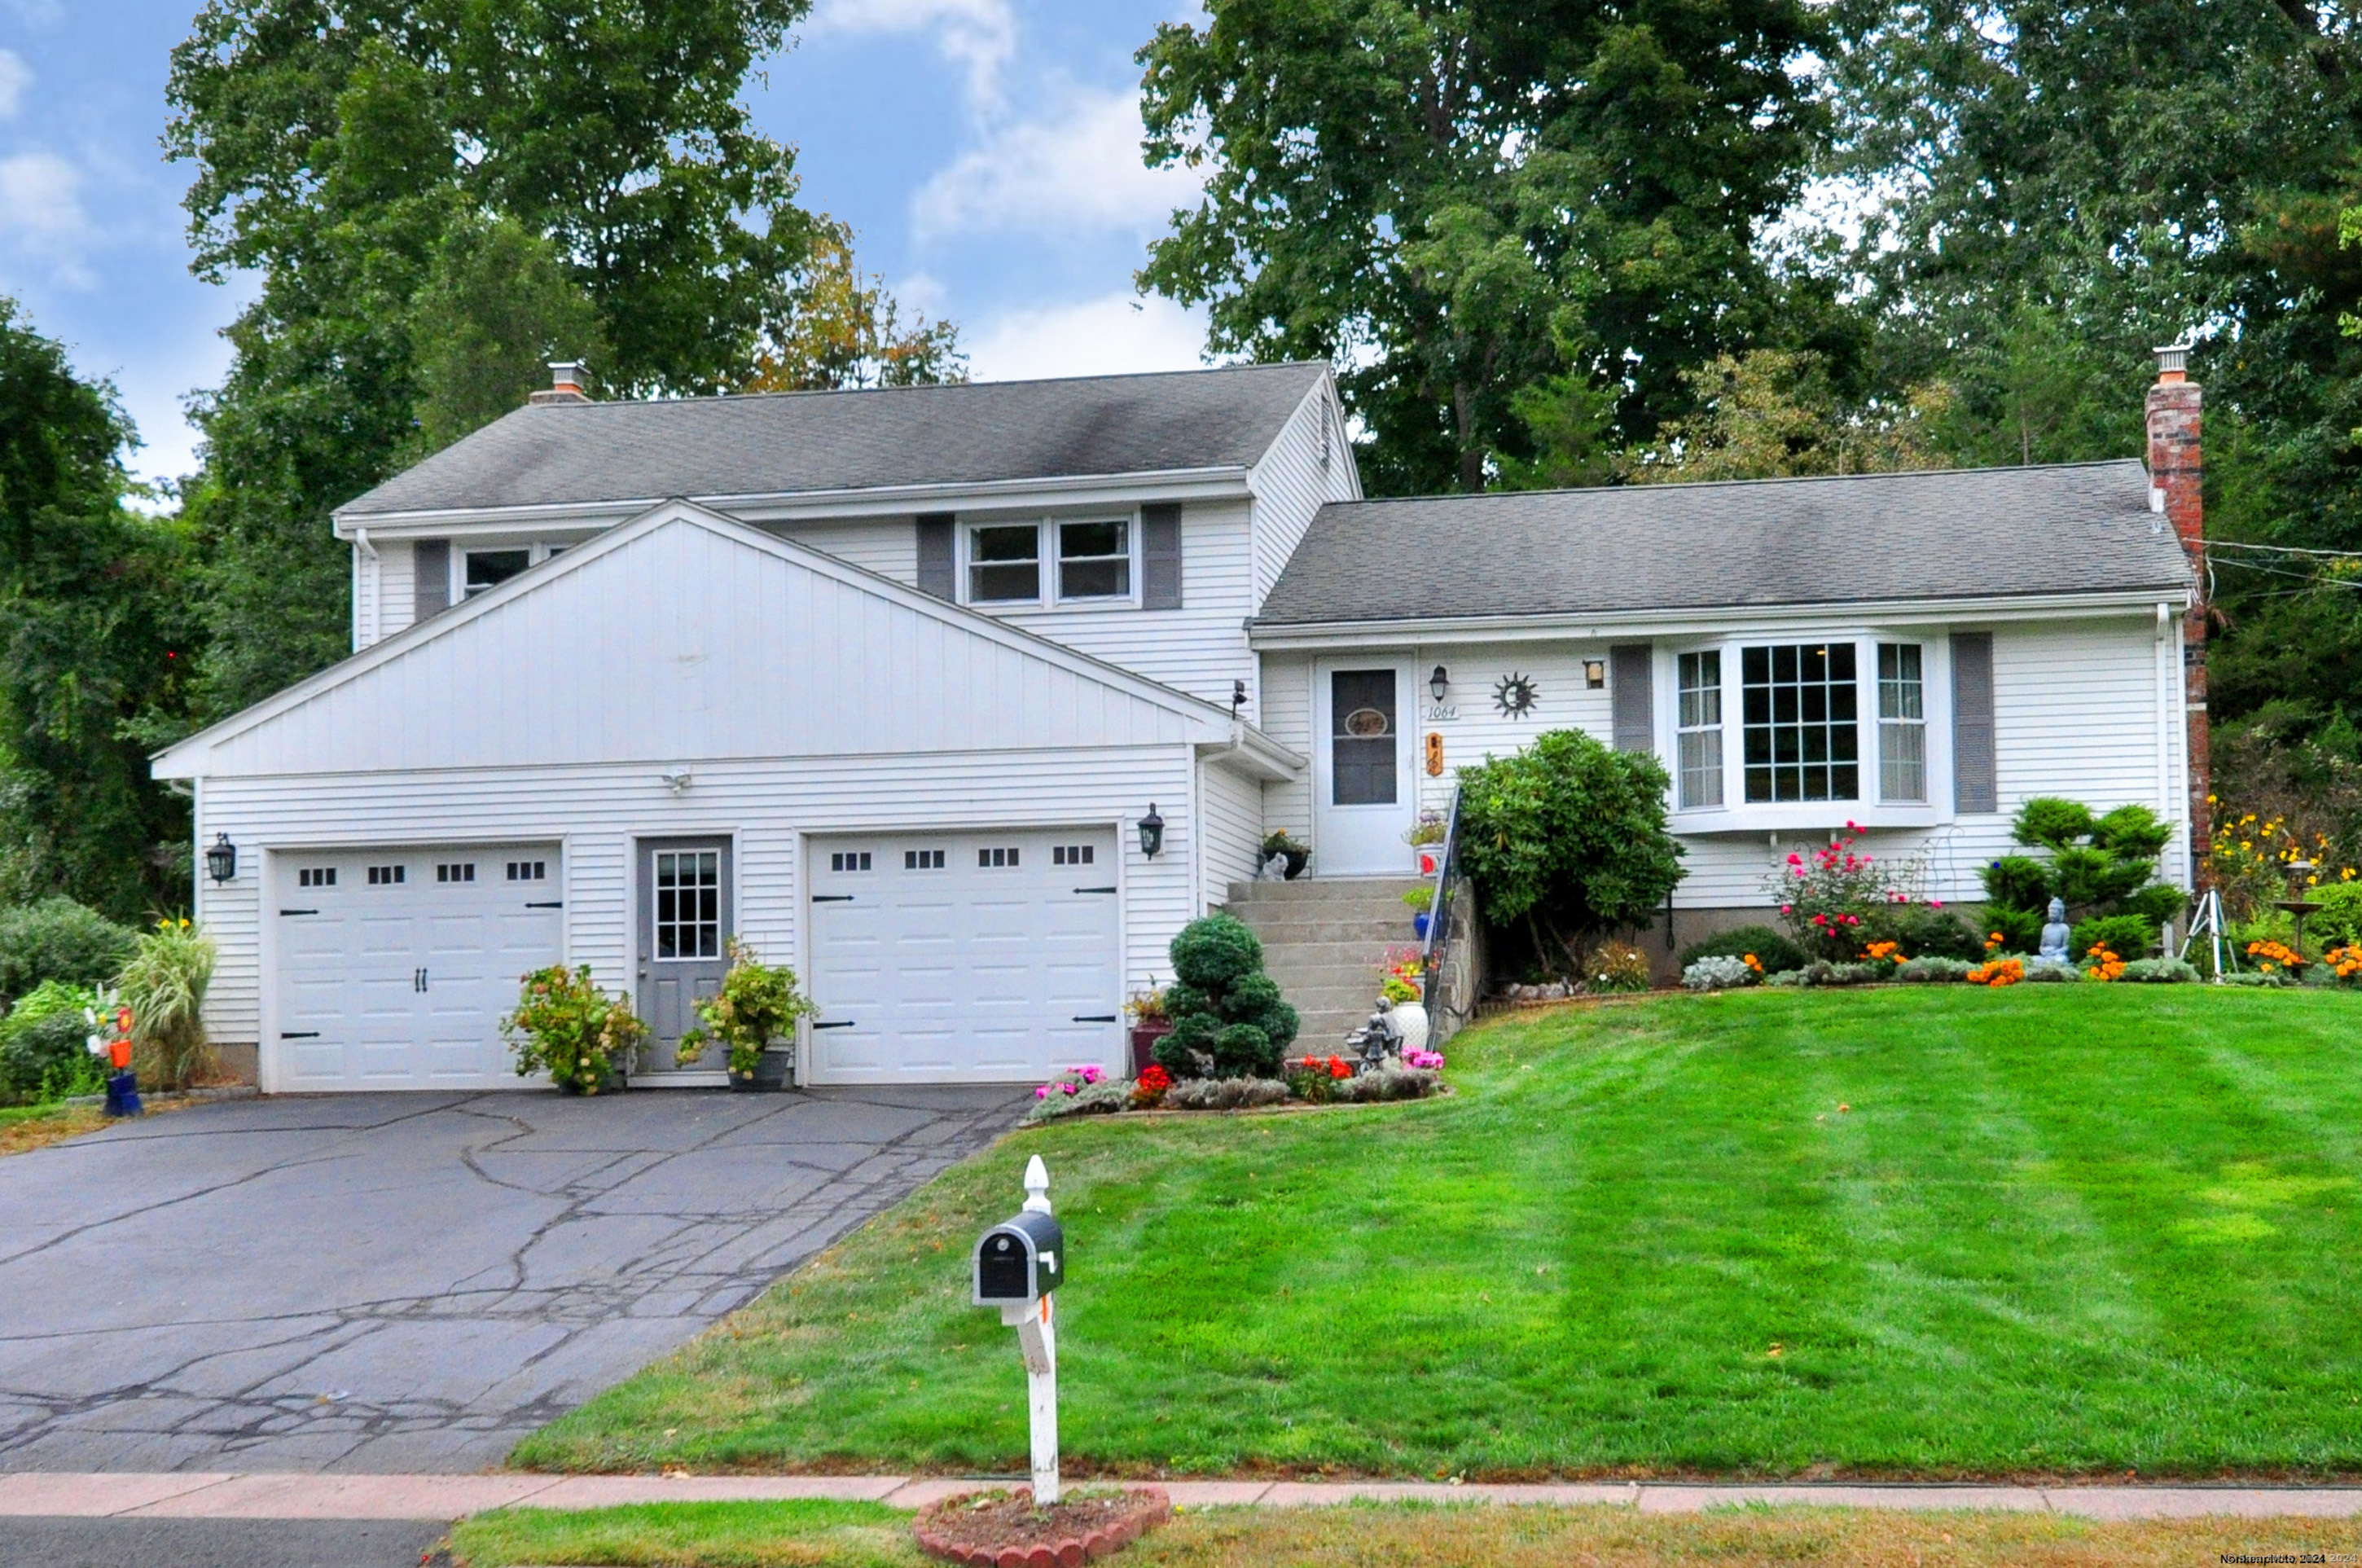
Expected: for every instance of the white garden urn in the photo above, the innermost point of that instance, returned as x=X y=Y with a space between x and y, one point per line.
x=1410 y=1022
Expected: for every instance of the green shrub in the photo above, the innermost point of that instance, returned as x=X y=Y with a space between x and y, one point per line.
x=1389 y=1082
x=1821 y=971
x=58 y=939
x=2101 y=866
x=2128 y=936
x=1568 y=838
x=164 y=986
x=1228 y=1019
x=2052 y=973
x=2021 y=930
x=1925 y=931
x=44 y=1045
x=1225 y=1094
x=2053 y=824
x=1772 y=949
x=2338 y=922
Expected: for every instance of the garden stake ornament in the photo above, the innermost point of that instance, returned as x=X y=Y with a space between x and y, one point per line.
x=1019 y=1264
x=110 y=1040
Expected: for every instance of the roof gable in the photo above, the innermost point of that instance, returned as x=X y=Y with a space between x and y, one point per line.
x=1946 y=533
x=681 y=636
x=985 y=433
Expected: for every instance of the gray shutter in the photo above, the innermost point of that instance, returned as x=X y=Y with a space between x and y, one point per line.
x=1160 y=555
x=935 y=555
x=1631 y=679
x=430 y=586
x=1976 y=780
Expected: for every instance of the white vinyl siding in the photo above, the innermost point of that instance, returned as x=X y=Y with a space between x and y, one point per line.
x=887 y=545
x=1291 y=483
x=2087 y=709
x=1199 y=648
x=1231 y=808
x=397 y=598
x=763 y=804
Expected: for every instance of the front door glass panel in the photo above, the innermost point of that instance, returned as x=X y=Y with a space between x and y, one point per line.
x=689 y=904
x=1363 y=735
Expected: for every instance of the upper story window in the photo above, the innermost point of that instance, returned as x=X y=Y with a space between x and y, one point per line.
x=1799 y=713
x=1087 y=562
x=1004 y=563
x=1093 y=560
x=489 y=569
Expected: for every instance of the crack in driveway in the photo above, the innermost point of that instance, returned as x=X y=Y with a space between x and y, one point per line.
x=419 y=1287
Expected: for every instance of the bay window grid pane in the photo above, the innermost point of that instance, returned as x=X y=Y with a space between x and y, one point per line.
x=1798 y=709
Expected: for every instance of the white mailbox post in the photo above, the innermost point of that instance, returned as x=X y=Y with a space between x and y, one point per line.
x=1019 y=1265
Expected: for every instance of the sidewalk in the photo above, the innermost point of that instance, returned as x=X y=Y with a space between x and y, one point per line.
x=310 y=1497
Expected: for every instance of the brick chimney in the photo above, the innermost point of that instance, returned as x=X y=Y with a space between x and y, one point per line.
x=566 y=378
x=2175 y=474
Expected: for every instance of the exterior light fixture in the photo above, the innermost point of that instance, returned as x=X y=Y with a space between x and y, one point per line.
x=1152 y=833
x=221 y=860
x=1595 y=674
x=1439 y=683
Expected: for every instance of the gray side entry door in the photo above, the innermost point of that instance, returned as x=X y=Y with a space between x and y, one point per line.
x=684 y=925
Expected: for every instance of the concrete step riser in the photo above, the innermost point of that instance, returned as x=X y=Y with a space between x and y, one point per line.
x=1317 y=891
x=1328 y=954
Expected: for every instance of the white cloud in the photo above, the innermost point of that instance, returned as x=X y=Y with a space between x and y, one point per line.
x=1080 y=169
x=979 y=36
x=14 y=77
x=1109 y=335
x=40 y=198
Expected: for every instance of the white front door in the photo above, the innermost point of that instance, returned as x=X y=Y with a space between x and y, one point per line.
x=967 y=957
x=394 y=966
x=1366 y=786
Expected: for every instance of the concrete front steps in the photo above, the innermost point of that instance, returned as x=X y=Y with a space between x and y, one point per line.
x=1325 y=939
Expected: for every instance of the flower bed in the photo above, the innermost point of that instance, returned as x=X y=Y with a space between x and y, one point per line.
x=989 y=1529
x=1310 y=1081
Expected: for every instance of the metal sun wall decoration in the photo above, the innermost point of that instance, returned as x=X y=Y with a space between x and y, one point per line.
x=1513 y=695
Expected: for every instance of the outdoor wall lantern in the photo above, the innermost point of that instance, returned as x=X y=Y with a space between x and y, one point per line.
x=1439 y=683
x=1152 y=831
x=221 y=860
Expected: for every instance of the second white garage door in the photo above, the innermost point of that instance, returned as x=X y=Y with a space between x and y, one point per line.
x=964 y=957
x=394 y=966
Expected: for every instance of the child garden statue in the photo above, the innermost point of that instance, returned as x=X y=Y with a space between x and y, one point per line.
x=2053 y=936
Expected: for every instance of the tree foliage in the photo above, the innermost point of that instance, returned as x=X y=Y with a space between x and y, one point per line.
x=92 y=631
x=1568 y=838
x=1461 y=200
x=436 y=194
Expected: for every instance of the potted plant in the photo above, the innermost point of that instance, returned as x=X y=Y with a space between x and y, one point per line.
x=1426 y=840
x=1421 y=900
x=758 y=1003
x=1404 y=986
x=565 y=1026
x=1298 y=855
x=1150 y=1023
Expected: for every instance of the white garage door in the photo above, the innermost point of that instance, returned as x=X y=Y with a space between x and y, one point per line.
x=394 y=966
x=964 y=957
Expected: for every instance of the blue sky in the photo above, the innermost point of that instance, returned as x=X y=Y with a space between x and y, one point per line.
x=985 y=152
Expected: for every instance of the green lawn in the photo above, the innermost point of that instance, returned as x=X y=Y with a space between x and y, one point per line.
x=865 y=1535
x=1903 y=1232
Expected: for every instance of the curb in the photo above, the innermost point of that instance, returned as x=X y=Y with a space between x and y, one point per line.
x=290 y=1496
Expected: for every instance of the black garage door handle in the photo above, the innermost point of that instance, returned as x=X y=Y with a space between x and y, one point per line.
x=1095 y=890
x=844 y=1024
x=553 y=904
x=299 y=1034
x=298 y=912
x=1094 y=1018
x=831 y=898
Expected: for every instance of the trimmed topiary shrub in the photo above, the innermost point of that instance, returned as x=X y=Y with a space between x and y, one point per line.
x=58 y=939
x=2100 y=866
x=1926 y=931
x=1772 y=949
x=1228 y=1019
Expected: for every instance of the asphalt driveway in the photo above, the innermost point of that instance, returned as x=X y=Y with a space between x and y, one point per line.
x=413 y=1282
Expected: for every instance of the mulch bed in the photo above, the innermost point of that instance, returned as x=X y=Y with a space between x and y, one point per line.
x=1004 y=1530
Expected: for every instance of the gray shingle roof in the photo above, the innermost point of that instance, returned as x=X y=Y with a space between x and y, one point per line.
x=787 y=443
x=1959 y=533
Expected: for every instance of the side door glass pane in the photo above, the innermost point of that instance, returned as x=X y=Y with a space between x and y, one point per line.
x=1363 y=739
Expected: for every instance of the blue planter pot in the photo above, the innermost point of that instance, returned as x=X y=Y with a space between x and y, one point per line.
x=1418 y=923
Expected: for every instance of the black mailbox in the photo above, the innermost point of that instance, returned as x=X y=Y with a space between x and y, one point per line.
x=1022 y=1259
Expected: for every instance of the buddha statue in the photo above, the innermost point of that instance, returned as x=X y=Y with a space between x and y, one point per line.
x=2055 y=935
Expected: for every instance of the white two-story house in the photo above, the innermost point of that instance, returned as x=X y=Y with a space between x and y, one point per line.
x=963 y=700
